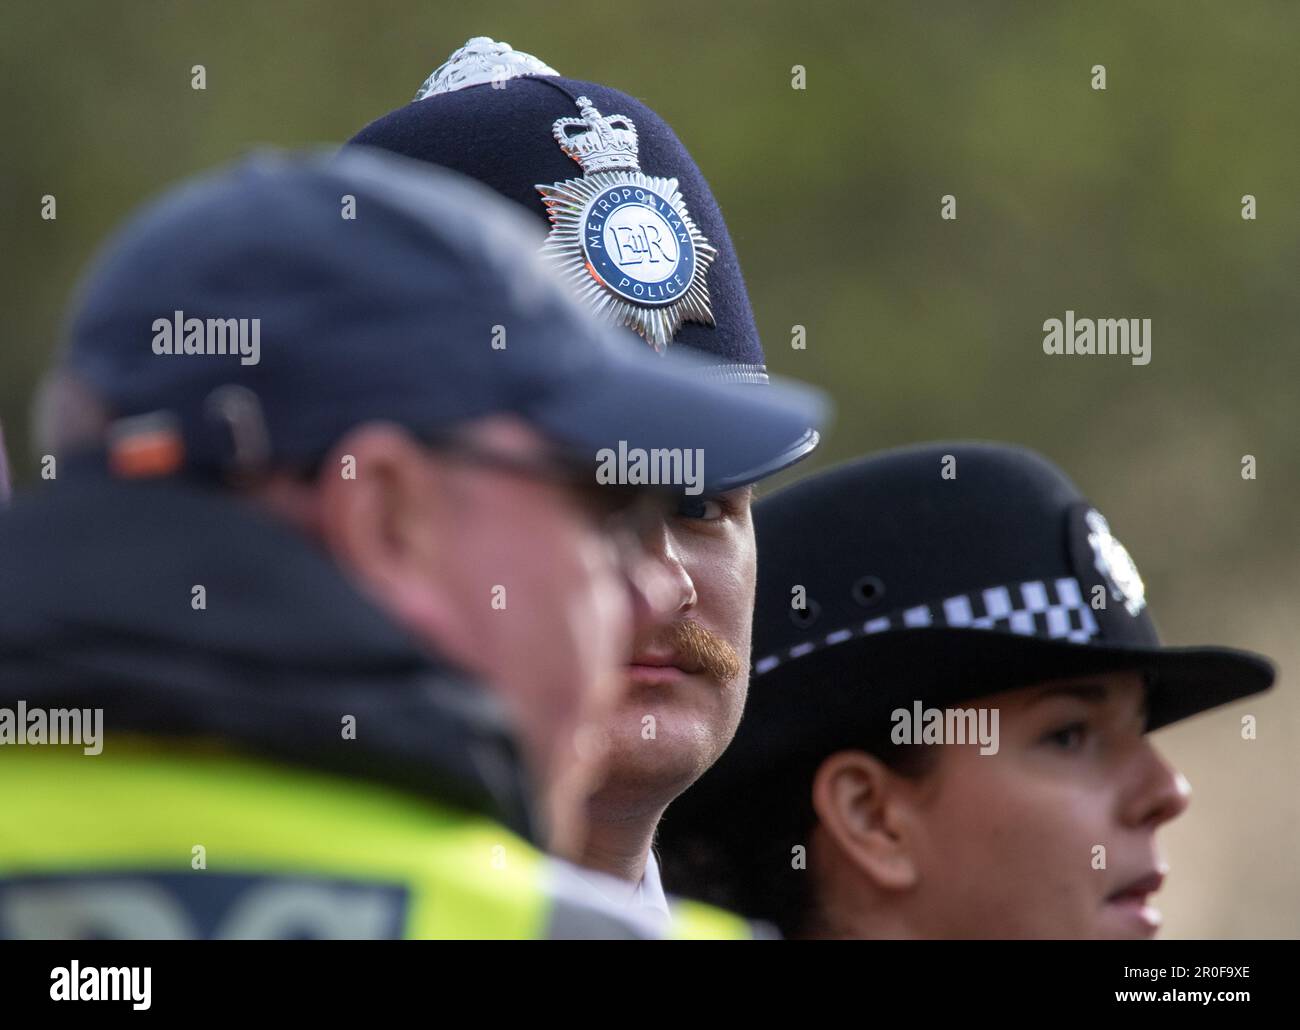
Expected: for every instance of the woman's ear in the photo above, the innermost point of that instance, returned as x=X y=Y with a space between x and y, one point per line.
x=868 y=816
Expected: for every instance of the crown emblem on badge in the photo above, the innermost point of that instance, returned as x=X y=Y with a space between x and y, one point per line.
x=598 y=143
x=622 y=238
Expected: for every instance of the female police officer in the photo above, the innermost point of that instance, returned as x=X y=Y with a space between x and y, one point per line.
x=955 y=674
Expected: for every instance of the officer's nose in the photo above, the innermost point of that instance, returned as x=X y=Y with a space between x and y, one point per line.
x=1160 y=792
x=663 y=552
x=654 y=593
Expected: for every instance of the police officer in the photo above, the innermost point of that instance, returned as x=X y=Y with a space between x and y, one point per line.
x=624 y=213
x=312 y=618
x=964 y=595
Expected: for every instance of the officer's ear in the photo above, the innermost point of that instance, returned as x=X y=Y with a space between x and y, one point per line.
x=378 y=513
x=866 y=811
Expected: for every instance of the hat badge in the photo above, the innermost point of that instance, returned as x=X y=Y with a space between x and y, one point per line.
x=1114 y=563
x=623 y=239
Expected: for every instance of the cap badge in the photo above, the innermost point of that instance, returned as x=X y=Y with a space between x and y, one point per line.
x=623 y=239
x=1114 y=563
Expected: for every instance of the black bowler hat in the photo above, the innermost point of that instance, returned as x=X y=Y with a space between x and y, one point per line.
x=561 y=148
x=946 y=572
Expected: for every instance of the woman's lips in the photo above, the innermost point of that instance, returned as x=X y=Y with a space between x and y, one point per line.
x=1134 y=900
x=1138 y=909
x=1139 y=888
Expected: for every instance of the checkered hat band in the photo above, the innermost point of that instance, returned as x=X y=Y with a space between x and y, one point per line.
x=1053 y=609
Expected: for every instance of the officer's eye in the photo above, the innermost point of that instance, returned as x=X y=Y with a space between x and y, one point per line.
x=707 y=509
x=1068 y=738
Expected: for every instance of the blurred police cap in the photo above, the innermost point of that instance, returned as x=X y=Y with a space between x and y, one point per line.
x=314 y=292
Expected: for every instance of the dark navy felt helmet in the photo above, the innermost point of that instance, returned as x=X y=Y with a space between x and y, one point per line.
x=622 y=209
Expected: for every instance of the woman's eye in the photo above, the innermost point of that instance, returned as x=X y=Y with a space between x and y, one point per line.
x=708 y=509
x=1069 y=738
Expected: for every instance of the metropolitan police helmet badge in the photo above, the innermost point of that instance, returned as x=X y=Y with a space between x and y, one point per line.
x=624 y=240
x=1114 y=563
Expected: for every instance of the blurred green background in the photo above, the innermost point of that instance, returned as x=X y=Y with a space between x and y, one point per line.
x=1123 y=203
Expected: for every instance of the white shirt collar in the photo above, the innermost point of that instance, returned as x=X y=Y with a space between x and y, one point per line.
x=650 y=891
x=647 y=896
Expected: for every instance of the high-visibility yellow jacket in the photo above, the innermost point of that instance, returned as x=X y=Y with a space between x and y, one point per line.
x=283 y=762
x=144 y=841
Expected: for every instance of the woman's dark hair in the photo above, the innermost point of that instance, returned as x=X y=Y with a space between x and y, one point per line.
x=744 y=860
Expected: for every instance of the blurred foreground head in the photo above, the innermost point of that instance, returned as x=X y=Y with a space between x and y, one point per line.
x=370 y=349
x=955 y=676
